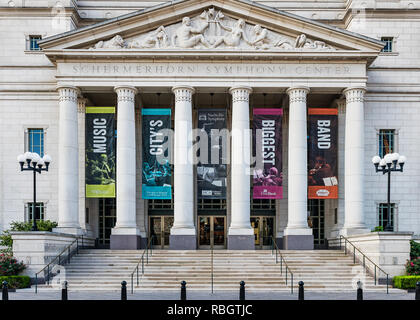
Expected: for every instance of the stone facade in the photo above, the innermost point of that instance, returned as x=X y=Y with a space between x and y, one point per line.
x=29 y=79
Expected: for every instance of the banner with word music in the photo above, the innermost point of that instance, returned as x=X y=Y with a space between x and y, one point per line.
x=267 y=150
x=212 y=154
x=156 y=168
x=100 y=152
x=322 y=153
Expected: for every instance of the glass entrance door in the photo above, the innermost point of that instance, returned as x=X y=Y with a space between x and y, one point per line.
x=212 y=232
x=160 y=228
x=107 y=219
x=263 y=231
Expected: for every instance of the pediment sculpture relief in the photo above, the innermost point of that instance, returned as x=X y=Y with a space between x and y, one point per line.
x=213 y=30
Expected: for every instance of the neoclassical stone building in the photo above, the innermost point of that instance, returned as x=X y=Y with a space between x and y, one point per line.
x=60 y=58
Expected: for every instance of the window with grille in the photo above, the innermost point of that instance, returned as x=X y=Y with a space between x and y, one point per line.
x=384 y=216
x=386 y=141
x=388 y=44
x=39 y=211
x=36 y=141
x=33 y=43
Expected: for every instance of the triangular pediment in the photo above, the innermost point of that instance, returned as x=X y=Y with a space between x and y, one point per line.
x=212 y=26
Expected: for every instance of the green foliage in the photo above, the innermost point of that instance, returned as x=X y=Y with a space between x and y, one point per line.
x=378 y=229
x=414 y=249
x=43 y=225
x=16 y=282
x=9 y=266
x=406 y=282
x=6 y=239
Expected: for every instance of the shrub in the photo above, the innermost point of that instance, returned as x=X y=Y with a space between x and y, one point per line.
x=406 y=282
x=16 y=282
x=378 y=229
x=43 y=225
x=9 y=266
x=6 y=239
x=414 y=249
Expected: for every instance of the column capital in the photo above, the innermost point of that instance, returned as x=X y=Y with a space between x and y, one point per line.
x=81 y=105
x=298 y=93
x=183 y=93
x=240 y=93
x=68 y=93
x=126 y=93
x=341 y=105
x=354 y=94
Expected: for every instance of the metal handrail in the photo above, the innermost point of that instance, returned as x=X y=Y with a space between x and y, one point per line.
x=67 y=260
x=212 y=270
x=282 y=260
x=141 y=260
x=364 y=261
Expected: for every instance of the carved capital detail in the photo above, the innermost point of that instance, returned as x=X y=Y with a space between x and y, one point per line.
x=125 y=93
x=183 y=93
x=81 y=105
x=240 y=94
x=354 y=94
x=341 y=105
x=68 y=94
x=297 y=94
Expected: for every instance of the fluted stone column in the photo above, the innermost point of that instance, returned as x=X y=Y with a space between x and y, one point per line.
x=183 y=232
x=297 y=234
x=68 y=162
x=81 y=118
x=240 y=234
x=125 y=234
x=354 y=219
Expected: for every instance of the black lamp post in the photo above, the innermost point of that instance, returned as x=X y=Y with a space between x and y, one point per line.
x=388 y=164
x=37 y=166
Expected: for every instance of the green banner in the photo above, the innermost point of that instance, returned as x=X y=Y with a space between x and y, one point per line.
x=100 y=152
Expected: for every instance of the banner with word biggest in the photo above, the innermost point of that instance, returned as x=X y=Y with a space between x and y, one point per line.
x=100 y=152
x=156 y=170
x=322 y=153
x=267 y=149
x=212 y=154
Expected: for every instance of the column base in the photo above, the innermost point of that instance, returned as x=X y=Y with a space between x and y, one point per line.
x=77 y=231
x=240 y=242
x=126 y=242
x=182 y=242
x=298 y=242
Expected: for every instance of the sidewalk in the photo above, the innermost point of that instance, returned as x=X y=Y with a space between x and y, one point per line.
x=29 y=294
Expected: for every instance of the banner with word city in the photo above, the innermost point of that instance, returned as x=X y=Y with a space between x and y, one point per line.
x=212 y=154
x=156 y=170
x=322 y=153
x=267 y=150
x=100 y=152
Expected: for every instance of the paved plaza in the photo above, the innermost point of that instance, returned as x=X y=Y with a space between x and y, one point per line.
x=29 y=294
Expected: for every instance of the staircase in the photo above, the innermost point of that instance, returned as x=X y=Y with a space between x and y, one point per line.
x=320 y=270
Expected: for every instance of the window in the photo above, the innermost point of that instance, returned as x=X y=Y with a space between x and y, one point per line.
x=388 y=44
x=39 y=211
x=36 y=141
x=33 y=43
x=383 y=215
x=386 y=141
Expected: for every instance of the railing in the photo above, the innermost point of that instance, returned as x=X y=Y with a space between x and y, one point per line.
x=274 y=247
x=212 y=270
x=363 y=259
x=50 y=270
x=141 y=261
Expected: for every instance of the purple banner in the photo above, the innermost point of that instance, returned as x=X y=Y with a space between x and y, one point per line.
x=267 y=145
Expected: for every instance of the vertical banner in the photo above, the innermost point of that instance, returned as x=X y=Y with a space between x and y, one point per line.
x=156 y=170
x=267 y=148
x=100 y=152
x=212 y=165
x=322 y=153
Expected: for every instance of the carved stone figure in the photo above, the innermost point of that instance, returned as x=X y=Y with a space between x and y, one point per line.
x=116 y=42
x=233 y=38
x=157 y=39
x=300 y=41
x=261 y=38
x=303 y=42
x=184 y=36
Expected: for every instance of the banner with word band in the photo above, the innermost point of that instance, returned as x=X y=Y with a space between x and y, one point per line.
x=322 y=153
x=156 y=168
x=100 y=152
x=212 y=154
x=267 y=150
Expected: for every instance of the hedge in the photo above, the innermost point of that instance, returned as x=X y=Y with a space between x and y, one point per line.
x=406 y=282
x=16 y=282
